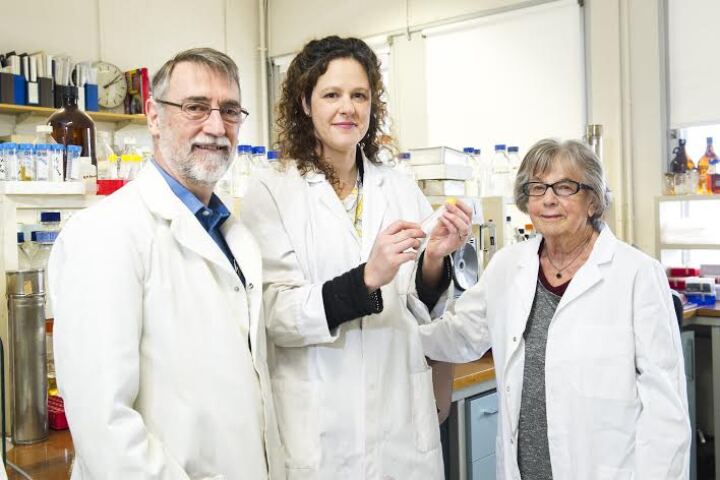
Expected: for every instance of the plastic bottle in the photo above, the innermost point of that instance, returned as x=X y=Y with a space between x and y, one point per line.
x=12 y=168
x=258 y=157
x=23 y=256
x=50 y=221
x=472 y=187
x=429 y=224
x=273 y=159
x=26 y=162
x=241 y=170
x=41 y=154
x=130 y=160
x=703 y=167
x=3 y=170
x=105 y=151
x=500 y=172
x=72 y=163
x=56 y=173
x=403 y=165
x=508 y=232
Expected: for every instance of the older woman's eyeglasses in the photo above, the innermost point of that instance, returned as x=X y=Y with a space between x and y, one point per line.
x=563 y=188
x=199 y=111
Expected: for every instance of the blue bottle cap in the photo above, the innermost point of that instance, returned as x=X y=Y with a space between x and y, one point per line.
x=513 y=149
x=273 y=155
x=10 y=145
x=477 y=151
x=33 y=236
x=709 y=140
x=45 y=237
x=49 y=217
x=56 y=147
x=20 y=237
x=244 y=148
x=258 y=150
x=74 y=149
x=469 y=150
x=25 y=146
x=499 y=146
x=405 y=155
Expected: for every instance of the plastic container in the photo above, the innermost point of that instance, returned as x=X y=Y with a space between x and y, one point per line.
x=43 y=135
x=403 y=165
x=241 y=168
x=108 y=187
x=501 y=177
x=130 y=160
x=50 y=221
x=24 y=260
x=26 y=162
x=41 y=152
x=72 y=165
x=258 y=157
x=683 y=272
x=56 y=169
x=3 y=169
x=56 y=413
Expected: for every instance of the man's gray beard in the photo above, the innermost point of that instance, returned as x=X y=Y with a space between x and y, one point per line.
x=192 y=167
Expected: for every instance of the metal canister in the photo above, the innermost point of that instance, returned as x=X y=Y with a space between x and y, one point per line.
x=28 y=358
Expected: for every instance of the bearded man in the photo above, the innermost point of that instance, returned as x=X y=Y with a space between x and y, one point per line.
x=159 y=337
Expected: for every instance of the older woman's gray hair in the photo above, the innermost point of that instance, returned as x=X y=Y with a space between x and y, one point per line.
x=542 y=157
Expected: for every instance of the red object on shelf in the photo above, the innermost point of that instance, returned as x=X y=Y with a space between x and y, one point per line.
x=106 y=187
x=56 y=413
x=683 y=272
x=677 y=284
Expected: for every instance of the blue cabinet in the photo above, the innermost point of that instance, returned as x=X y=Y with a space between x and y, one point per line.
x=481 y=429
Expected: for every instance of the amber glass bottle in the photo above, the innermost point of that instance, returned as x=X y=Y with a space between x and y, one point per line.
x=72 y=126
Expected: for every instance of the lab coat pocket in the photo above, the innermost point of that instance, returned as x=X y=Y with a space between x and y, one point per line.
x=605 y=362
x=296 y=408
x=424 y=411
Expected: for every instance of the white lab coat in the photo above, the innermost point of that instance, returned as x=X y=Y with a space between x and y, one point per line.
x=355 y=403
x=614 y=373
x=151 y=343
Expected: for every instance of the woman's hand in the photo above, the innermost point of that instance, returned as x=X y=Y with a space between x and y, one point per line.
x=450 y=233
x=391 y=249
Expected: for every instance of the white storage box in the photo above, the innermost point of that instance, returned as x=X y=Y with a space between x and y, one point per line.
x=442 y=172
x=437 y=156
x=442 y=187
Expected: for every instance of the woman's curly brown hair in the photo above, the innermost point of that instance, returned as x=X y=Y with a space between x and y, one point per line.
x=296 y=133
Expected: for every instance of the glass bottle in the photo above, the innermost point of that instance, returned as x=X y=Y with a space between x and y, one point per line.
x=703 y=166
x=679 y=167
x=72 y=126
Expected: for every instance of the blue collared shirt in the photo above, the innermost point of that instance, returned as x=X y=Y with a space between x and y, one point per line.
x=211 y=217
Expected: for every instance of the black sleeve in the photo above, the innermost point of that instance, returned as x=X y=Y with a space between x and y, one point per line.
x=346 y=298
x=430 y=296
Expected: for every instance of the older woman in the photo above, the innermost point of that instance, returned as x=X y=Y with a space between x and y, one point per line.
x=352 y=388
x=586 y=346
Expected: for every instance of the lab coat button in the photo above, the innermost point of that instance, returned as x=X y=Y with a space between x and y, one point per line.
x=507 y=389
x=206 y=213
x=237 y=289
x=250 y=286
x=514 y=339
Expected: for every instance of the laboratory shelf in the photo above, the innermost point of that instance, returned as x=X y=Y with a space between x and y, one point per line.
x=42 y=188
x=690 y=246
x=139 y=119
x=687 y=198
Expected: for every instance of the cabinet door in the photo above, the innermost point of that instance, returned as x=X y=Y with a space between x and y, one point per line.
x=483 y=469
x=482 y=413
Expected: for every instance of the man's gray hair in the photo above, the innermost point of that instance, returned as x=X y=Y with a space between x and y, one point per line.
x=546 y=153
x=211 y=58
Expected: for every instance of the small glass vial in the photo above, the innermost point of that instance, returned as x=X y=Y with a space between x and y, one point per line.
x=26 y=162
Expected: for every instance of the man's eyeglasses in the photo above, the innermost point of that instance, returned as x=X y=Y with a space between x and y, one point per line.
x=563 y=188
x=199 y=112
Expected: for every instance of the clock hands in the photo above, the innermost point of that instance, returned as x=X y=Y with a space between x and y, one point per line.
x=114 y=80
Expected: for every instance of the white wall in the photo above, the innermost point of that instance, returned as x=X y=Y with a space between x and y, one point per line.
x=292 y=23
x=135 y=33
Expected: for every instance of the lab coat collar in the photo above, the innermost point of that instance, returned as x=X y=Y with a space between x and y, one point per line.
x=374 y=203
x=525 y=281
x=161 y=200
